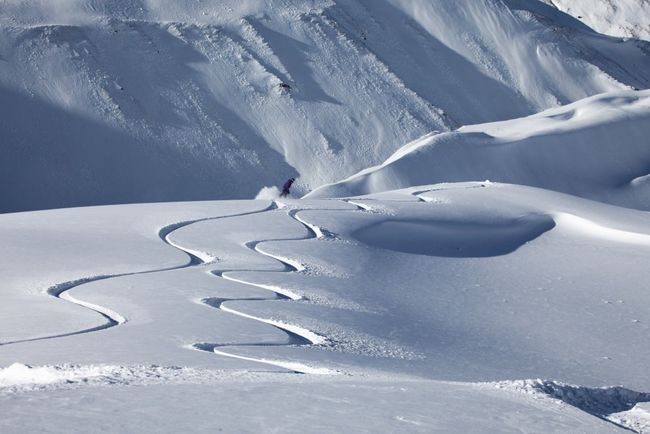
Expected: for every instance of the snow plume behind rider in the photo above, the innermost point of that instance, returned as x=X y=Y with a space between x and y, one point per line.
x=272 y=193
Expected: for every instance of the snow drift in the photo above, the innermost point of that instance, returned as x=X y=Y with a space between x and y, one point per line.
x=596 y=148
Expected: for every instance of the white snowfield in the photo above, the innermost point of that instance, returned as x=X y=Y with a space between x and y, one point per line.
x=596 y=148
x=430 y=309
x=184 y=99
x=486 y=278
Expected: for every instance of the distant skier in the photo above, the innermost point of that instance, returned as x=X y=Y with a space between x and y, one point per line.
x=286 y=187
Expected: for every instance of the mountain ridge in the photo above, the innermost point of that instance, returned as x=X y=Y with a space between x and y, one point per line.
x=217 y=101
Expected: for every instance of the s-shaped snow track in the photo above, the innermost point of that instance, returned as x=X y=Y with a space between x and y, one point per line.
x=113 y=318
x=297 y=336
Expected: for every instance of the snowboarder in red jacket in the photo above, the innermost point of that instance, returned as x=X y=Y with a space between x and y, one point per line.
x=286 y=187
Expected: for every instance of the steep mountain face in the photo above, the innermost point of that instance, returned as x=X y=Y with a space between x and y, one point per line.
x=151 y=100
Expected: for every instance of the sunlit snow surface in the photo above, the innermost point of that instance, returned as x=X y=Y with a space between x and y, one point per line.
x=595 y=148
x=313 y=315
x=187 y=100
x=625 y=18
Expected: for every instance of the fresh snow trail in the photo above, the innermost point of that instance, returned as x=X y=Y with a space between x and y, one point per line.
x=113 y=318
x=298 y=368
x=361 y=206
x=315 y=229
x=297 y=335
x=282 y=293
x=418 y=193
x=60 y=291
x=291 y=264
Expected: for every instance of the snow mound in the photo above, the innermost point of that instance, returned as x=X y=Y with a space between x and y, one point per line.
x=586 y=227
x=594 y=148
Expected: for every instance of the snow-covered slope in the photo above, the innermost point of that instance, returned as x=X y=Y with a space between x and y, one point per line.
x=595 y=148
x=123 y=101
x=458 y=309
x=623 y=18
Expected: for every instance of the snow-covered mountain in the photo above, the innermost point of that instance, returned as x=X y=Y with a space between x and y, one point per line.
x=149 y=100
x=488 y=276
x=623 y=18
x=595 y=148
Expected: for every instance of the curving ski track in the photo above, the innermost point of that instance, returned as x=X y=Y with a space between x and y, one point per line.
x=418 y=193
x=297 y=336
x=113 y=318
x=360 y=206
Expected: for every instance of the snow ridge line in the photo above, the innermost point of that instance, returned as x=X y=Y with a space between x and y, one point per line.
x=297 y=335
x=112 y=317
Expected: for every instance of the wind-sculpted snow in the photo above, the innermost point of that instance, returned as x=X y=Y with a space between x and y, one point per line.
x=488 y=285
x=595 y=148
